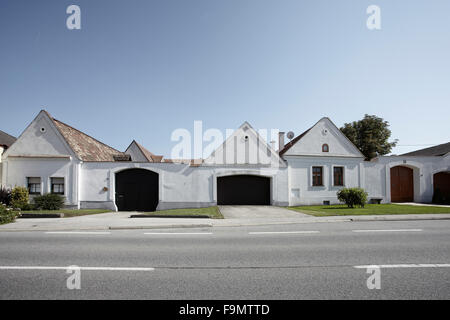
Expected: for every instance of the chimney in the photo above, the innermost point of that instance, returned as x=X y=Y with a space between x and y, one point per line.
x=272 y=144
x=280 y=140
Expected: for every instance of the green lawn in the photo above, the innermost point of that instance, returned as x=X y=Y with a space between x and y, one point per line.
x=369 y=209
x=70 y=213
x=212 y=212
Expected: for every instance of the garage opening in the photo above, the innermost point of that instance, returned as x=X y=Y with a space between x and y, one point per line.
x=137 y=190
x=441 y=188
x=243 y=190
x=402 y=184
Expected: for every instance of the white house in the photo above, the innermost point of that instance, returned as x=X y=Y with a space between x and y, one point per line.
x=6 y=141
x=51 y=156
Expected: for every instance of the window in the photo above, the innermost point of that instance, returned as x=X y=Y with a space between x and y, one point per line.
x=34 y=185
x=325 y=148
x=338 y=176
x=317 y=176
x=57 y=185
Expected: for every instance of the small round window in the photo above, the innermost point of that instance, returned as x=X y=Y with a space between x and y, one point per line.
x=325 y=148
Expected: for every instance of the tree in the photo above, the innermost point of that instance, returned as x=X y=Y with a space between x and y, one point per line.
x=370 y=135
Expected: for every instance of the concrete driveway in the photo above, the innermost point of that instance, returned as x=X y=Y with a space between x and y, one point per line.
x=258 y=212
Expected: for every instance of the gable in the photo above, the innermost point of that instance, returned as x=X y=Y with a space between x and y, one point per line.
x=244 y=146
x=40 y=138
x=323 y=132
x=139 y=154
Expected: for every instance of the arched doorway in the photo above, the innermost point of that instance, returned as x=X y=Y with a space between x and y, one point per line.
x=243 y=190
x=441 y=188
x=137 y=190
x=402 y=184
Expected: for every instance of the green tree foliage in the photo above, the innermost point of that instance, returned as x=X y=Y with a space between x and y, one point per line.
x=352 y=197
x=19 y=198
x=49 y=201
x=370 y=135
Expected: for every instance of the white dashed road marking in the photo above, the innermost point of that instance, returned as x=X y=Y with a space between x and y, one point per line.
x=390 y=230
x=179 y=233
x=283 y=232
x=78 y=232
x=71 y=267
x=420 y=265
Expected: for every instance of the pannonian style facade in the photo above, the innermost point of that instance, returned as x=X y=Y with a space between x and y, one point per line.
x=51 y=156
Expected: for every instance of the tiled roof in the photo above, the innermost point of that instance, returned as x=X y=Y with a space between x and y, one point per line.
x=85 y=147
x=6 y=139
x=438 y=150
x=150 y=156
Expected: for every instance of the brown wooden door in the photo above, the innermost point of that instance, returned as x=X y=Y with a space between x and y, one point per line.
x=402 y=184
x=441 y=181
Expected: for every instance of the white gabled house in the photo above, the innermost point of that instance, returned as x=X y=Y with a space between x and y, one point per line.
x=51 y=156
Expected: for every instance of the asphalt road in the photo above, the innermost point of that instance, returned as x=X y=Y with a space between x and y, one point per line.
x=298 y=261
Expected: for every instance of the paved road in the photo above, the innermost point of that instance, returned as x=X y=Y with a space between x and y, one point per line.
x=259 y=212
x=303 y=261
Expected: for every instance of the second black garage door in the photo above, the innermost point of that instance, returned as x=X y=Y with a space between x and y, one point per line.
x=243 y=190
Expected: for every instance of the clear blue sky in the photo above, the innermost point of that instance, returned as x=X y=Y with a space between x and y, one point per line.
x=140 y=69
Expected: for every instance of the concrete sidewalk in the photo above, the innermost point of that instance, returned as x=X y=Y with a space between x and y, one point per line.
x=121 y=221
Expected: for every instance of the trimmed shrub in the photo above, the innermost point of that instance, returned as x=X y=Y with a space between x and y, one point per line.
x=5 y=196
x=19 y=198
x=49 y=201
x=7 y=215
x=352 y=197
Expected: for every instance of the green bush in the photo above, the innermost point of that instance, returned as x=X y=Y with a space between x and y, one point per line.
x=19 y=198
x=5 y=196
x=49 y=201
x=352 y=197
x=7 y=215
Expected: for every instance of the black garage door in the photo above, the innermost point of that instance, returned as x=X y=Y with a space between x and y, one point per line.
x=243 y=189
x=137 y=190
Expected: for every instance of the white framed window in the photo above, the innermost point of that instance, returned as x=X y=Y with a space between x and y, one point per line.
x=57 y=185
x=338 y=176
x=34 y=185
x=317 y=176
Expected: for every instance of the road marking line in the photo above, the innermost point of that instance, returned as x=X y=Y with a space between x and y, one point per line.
x=178 y=233
x=420 y=265
x=390 y=230
x=71 y=267
x=78 y=232
x=282 y=232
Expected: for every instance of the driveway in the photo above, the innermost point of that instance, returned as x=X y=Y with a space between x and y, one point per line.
x=258 y=212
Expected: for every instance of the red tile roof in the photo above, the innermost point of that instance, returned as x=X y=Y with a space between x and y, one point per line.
x=84 y=146
x=150 y=156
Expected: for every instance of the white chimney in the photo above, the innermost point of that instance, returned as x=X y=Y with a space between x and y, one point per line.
x=280 y=140
x=272 y=144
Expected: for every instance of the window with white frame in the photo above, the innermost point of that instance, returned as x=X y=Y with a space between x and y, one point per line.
x=338 y=176
x=317 y=176
x=34 y=185
x=57 y=185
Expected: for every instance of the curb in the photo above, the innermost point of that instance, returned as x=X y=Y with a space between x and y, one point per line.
x=169 y=226
x=40 y=215
x=163 y=216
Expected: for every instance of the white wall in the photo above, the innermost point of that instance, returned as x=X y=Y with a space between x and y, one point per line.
x=378 y=181
x=180 y=185
x=301 y=190
x=16 y=170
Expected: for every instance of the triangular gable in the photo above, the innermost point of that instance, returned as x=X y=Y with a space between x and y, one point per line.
x=46 y=136
x=40 y=138
x=324 y=132
x=140 y=154
x=245 y=146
